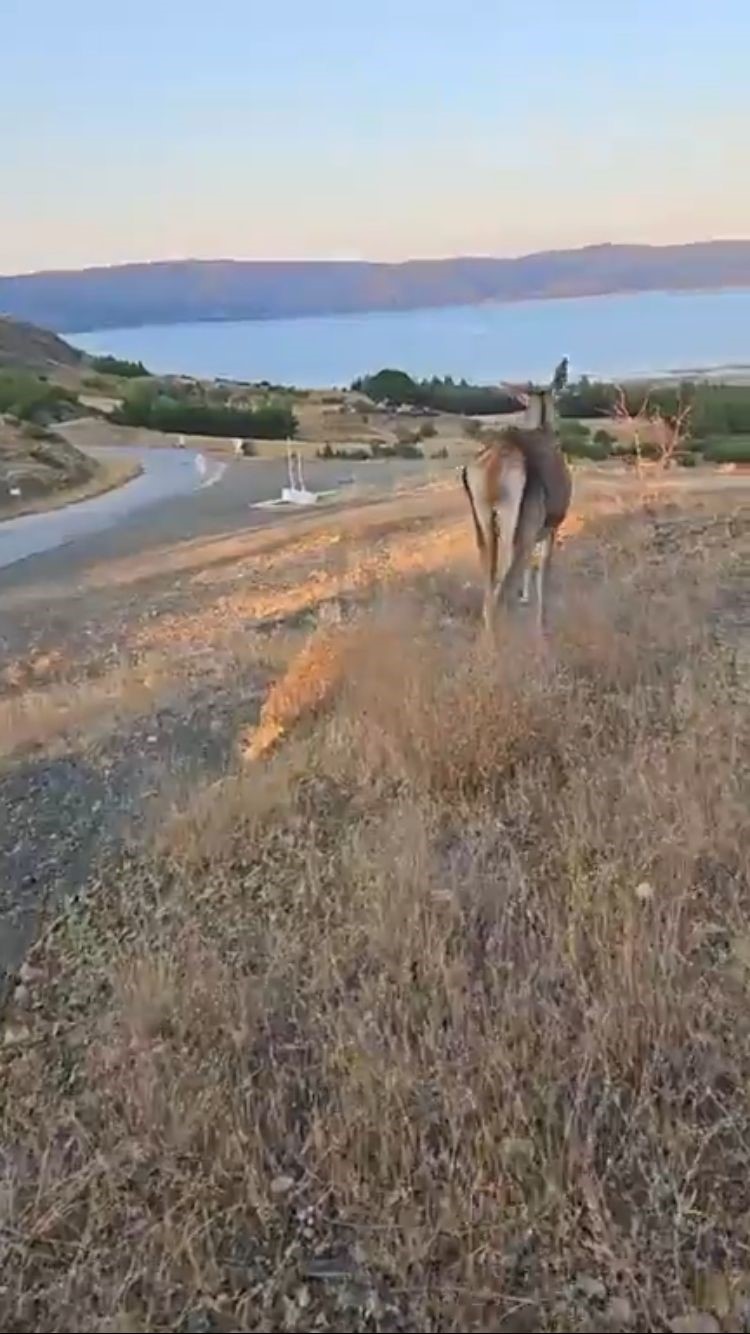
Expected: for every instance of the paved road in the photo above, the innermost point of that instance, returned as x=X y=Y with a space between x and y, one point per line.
x=165 y=473
x=173 y=500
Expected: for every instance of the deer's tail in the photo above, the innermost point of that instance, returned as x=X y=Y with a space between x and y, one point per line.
x=477 y=526
x=486 y=533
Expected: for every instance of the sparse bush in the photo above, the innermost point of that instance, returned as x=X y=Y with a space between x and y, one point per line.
x=437 y=1018
x=427 y=431
x=407 y=449
x=472 y=428
x=462 y=968
x=441 y=453
x=407 y=435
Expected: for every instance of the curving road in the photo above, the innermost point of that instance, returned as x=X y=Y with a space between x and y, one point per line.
x=180 y=494
x=165 y=474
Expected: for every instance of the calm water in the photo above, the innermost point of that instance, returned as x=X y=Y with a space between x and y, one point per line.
x=613 y=335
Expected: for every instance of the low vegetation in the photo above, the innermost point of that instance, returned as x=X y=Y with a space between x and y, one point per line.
x=36 y=463
x=164 y=412
x=119 y=366
x=446 y=395
x=437 y=1018
x=33 y=398
x=715 y=412
x=732 y=449
x=401 y=449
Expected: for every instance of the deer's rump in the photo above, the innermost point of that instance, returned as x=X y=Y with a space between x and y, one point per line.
x=546 y=467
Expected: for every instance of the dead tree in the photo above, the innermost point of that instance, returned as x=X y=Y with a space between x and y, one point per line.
x=667 y=432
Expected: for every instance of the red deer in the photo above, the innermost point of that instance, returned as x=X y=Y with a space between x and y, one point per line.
x=519 y=489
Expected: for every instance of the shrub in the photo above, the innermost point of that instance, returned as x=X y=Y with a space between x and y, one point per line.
x=33 y=399
x=728 y=450
x=127 y=370
x=34 y=431
x=575 y=429
x=577 y=443
x=403 y=449
x=165 y=413
x=407 y=435
x=439 y=453
x=605 y=438
x=356 y=455
x=407 y=449
x=427 y=431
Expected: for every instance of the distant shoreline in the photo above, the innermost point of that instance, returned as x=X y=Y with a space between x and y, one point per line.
x=395 y=311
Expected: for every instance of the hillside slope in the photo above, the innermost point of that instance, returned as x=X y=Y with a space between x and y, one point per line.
x=191 y=290
x=35 y=466
x=23 y=344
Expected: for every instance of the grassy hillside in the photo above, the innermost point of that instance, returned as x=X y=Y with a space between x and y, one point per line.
x=35 y=463
x=433 y=1015
x=27 y=345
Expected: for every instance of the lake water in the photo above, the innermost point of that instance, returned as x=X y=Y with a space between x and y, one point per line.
x=609 y=335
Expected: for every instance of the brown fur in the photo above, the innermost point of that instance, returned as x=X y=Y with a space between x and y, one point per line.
x=545 y=463
x=521 y=483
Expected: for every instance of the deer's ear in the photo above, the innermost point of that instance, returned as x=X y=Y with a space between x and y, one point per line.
x=560 y=377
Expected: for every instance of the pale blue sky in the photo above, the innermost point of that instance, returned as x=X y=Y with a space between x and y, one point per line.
x=144 y=129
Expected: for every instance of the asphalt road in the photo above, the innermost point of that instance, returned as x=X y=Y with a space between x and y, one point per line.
x=177 y=497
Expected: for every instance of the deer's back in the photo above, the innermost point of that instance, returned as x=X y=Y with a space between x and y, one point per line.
x=545 y=464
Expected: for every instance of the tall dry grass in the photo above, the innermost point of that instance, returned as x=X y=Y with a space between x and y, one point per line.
x=439 y=1021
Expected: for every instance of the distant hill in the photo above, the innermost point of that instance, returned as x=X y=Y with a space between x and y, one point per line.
x=190 y=290
x=25 y=345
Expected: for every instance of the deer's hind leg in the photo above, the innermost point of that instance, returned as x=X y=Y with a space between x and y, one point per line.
x=527 y=532
x=542 y=577
x=511 y=488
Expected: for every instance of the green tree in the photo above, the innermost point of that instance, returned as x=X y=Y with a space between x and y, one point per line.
x=127 y=370
x=389 y=386
x=163 y=413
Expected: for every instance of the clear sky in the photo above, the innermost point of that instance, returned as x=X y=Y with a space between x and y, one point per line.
x=146 y=129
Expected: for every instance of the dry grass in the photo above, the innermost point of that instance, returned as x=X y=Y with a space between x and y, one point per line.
x=69 y=711
x=108 y=477
x=438 y=1020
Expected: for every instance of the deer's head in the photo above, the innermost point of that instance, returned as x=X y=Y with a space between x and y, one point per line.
x=539 y=400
